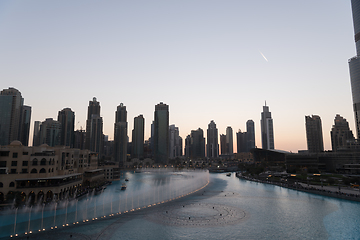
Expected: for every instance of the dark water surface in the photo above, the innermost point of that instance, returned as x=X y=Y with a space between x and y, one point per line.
x=227 y=208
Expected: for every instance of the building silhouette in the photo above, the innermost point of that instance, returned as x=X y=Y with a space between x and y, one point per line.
x=250 y=134
x=212 y=146
x=195 y=144
x=175 y=142
x=94 y=128
x=341 y=135
x=229 y=141
x=242 y=143
x=223 y=144
x=36 y=134
x=138 y=137
x=67 y=119
x=14 y=117
x=354 y=66
x=50 y=132
x=314 y=134
x=120 y=135
x=267 y=129
x=161 y=133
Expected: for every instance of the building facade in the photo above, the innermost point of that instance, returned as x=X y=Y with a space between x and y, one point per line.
x=161 y=133
x=212 y=146
x=250 y=134
x=314 y=136
x=242 y=143
x=50 y=132
x=94 y=128
x=267 y=129
x=175 y=142
x=67 y=119
x=229 y=141
x=138 y=137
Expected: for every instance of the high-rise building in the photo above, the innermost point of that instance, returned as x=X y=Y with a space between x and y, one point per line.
x=67 y=119
x=138 y=137
x=340 y=133
x=161 y=133
x=120 y=135
x=241 y=139
x=36 y=135
x=13 y=125
x=187 y=149
x=229 y=141
x=195 y=144
x=354 y=65
x=175 y=142
x=94 y=128
x=250 y=135
x=50 y=132
x=267 y=129
x=79 y=139
x=314 y=134
x=223 y=144
x=212 y=146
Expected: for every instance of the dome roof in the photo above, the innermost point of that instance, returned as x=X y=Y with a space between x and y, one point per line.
x=16 y=143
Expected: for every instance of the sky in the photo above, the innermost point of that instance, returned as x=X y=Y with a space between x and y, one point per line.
x=208 y=60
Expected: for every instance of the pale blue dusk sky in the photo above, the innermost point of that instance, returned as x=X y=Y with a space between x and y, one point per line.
x=202 y=58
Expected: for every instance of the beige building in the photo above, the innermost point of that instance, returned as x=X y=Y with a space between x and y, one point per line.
x=45 y=173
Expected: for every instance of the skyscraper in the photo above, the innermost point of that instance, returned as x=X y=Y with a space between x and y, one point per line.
x=241 y=139
x=223 y=144
x=195 y=144
x=138 y=137
x=340 y=133
x=94 y=128
x=50 y=132
x=36 y=135
x=175 y=142
x=250 y=134
x=67 y=119
x=314 y=134
x=212 y=146
x=120 y=135
x=354 y=65
x=13 y=126
x=229 y=141
x=161 y=133
x=267 y=130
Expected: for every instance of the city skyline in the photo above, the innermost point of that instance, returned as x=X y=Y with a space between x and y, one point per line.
x=205 y=66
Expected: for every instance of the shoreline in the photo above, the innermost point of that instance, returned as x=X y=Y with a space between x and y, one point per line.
x=310 y=189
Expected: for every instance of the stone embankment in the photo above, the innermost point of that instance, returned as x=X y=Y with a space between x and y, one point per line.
x=329 y=191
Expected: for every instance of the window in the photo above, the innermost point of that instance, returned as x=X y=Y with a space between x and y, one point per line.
x=34 y=170
x=13 y=163
x=15 y=155
x=12 y=184
x=2 y=171
x=1 y=185
x=2 y=163
x=25 y=163
x=42 y=170
x=24 y=170
x=13 y=171
x=43 y=162
x=35 y=162
x=4 y=153
x=25 y=153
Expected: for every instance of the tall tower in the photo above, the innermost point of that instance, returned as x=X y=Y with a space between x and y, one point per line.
x=161 y=133
x=340 y=133
x=314 y=135
x=229 y=141
x=50 y=132
x=241 y=138
x=267 y=129
x=67 y=119
x=223 y=144
x=354 y=65
x=138 y=137
x=175 y=142
x=250 y=134
x=120 y=135
x=197 y=144
x=11 y=121
x=36 y=135
x=212 y=146
x=94 y=128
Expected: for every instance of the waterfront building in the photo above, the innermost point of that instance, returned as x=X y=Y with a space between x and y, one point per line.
x=120 y=135
x=212 y=146
x=250 y=135
x=50 y=132
x=175 y=142
x=67 y=119
x=15 y=117
x=94 y=128
x=314 y=134
x=267 y=129
x=354 y=65
x=242 y=143
x=138 y=137
x=161 y=133
x=229 y=141
x=223 y=144
x=340 y=133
